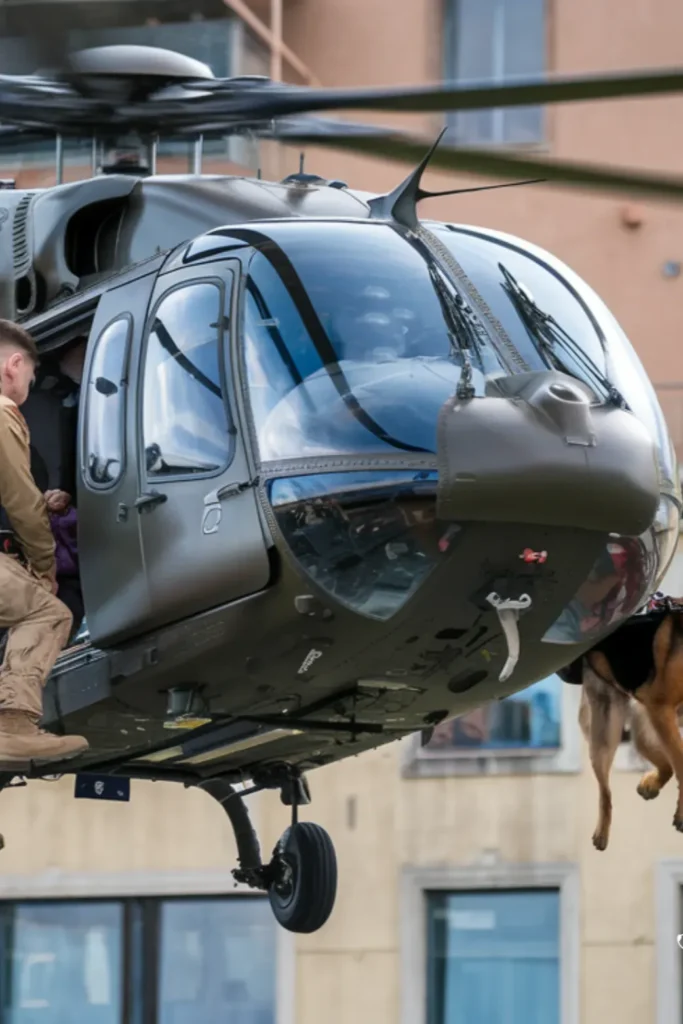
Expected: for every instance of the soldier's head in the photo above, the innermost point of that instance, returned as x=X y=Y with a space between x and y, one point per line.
x=18 y=361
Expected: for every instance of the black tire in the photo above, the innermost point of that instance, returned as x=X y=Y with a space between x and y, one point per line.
x=304 y=898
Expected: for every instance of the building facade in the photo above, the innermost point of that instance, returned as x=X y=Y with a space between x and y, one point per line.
x=469 y=888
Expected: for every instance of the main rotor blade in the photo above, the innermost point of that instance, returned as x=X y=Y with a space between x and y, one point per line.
x=450 y=96
x=405 y=149
x=69 y=103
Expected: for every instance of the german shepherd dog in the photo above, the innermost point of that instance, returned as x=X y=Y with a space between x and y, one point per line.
x=636 y=673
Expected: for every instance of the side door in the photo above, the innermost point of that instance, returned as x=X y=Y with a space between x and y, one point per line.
x=112 y=577
x=200 y=529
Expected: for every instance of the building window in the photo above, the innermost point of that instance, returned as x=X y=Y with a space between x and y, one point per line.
x=493 y=41
x=528 y=720
x=152 y=961
x=667 y=955
x=223 y=43
x=493 y=943
x=533 y=730
x=493 y=957
x=186 y=427
x=105 y=406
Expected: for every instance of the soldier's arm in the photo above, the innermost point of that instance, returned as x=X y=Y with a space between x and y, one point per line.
x=21 y=499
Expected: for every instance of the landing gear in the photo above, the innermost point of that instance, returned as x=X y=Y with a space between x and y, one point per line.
x=301 y=877
x=304 y=885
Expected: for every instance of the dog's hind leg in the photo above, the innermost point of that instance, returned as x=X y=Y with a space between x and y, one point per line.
x=664 y=695
x=605 y=727
x=647 y=743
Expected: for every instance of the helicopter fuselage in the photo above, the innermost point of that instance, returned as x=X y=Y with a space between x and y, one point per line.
x=338 y=479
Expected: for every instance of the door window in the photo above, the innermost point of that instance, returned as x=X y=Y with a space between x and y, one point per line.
x=185 y=419
x=105 y=406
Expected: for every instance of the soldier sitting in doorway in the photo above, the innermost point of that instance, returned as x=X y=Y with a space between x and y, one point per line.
x=39 y=623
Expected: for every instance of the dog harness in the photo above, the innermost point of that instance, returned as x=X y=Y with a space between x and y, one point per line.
x=629 y=648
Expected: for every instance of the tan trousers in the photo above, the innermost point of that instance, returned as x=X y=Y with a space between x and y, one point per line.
x=39 y=627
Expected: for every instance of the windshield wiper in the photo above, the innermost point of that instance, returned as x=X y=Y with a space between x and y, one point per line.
x=465 y=331
x=551 y=336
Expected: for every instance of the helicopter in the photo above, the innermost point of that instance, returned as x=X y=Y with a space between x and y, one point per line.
x=341 y=473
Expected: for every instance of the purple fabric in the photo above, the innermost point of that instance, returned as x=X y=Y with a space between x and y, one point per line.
x=64 y=528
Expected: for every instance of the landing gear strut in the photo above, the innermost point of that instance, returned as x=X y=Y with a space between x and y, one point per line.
x=301 y=877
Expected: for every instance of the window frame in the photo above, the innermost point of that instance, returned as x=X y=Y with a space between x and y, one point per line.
x=668 y=957
x=91 y=352
x=417 y=882
x=450 y=74
x=114 y=887
x=419 y=763
x=224 y=343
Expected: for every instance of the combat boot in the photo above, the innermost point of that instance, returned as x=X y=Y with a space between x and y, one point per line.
x=23 y=742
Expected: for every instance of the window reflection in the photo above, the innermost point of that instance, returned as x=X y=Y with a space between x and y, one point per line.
x=105 y=408
x=486 y=261
x=369 y=539
x=528 y=719
x=614 y=356
x=622 y=576
x=65 y=963
x=216 y=962
x=186 y=427
x=491 y=41
x=89 y=962
x=494 y=957
x=348 y=344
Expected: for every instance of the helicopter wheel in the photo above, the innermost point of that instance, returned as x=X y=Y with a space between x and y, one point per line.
x=303 y=891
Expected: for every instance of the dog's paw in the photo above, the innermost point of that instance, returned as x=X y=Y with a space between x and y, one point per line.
x=649 y=786
x=678 y=823
x=600 y=841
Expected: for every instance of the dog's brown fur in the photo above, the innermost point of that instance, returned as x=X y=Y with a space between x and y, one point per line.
x=653 y=709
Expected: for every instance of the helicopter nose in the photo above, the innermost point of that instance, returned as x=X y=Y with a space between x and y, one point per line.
x=543 y=451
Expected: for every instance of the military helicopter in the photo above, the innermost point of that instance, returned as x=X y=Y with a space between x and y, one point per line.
x=341 y=473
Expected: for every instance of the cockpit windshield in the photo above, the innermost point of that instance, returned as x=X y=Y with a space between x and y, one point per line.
x=550 y=313
x=356 y=333
x=353 y=342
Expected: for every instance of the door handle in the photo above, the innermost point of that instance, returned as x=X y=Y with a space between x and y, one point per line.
x=228 y=491
x=146 y=502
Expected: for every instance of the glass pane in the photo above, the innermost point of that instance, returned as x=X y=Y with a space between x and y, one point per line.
x=63 y=964
x=104 y=436
x=524 y=57
x=217 y=962
x=487 y=261
x=494 y=41
x=210 y=40
x=493 y=957
x=349 y=345
x=474 y=49
x=623 y=575
x=185 y=419
x=494 y=269
x=368 y=539
x=530 y=719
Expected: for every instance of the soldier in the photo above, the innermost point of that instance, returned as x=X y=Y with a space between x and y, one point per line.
x=39 y=623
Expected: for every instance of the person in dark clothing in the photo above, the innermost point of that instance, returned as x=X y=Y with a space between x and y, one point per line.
x=52 y=414
x=64 y=525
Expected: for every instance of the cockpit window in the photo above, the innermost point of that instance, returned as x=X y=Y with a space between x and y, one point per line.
x=546 y=322
x=548 y=318
x=105 y=406
x=185 y=420
x=353 y=342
